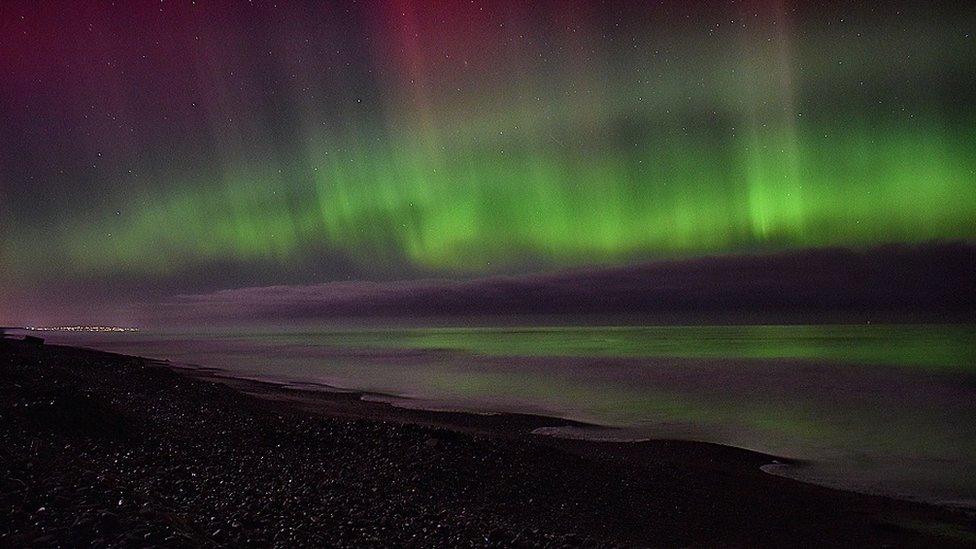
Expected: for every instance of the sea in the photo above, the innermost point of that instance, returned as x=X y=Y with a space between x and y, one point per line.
x=878 y=408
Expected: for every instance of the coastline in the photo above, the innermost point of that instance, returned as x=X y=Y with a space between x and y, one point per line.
x=179 y=457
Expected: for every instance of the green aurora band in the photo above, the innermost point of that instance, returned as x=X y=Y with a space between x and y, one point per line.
x=483 y=207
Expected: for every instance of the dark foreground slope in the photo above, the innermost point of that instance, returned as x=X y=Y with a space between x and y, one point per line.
x=98 y=448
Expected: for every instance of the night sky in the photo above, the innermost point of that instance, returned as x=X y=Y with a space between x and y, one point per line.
x=156 y=149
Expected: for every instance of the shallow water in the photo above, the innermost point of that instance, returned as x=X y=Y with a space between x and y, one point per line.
x=879 y=408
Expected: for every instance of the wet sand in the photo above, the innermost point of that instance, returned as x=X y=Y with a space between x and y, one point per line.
x=109 y=450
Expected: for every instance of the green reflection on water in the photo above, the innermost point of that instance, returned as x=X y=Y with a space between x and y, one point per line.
x=934 y=347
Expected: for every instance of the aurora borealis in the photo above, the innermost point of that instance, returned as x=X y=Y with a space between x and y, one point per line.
x=178 y=147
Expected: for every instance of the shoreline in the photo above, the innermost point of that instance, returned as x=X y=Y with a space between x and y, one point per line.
x=320 y=398
x=399 y=472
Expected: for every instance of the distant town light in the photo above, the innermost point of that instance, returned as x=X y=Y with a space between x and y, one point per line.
x=80 y=329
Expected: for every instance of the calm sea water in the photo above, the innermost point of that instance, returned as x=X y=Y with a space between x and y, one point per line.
x=880 y=408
